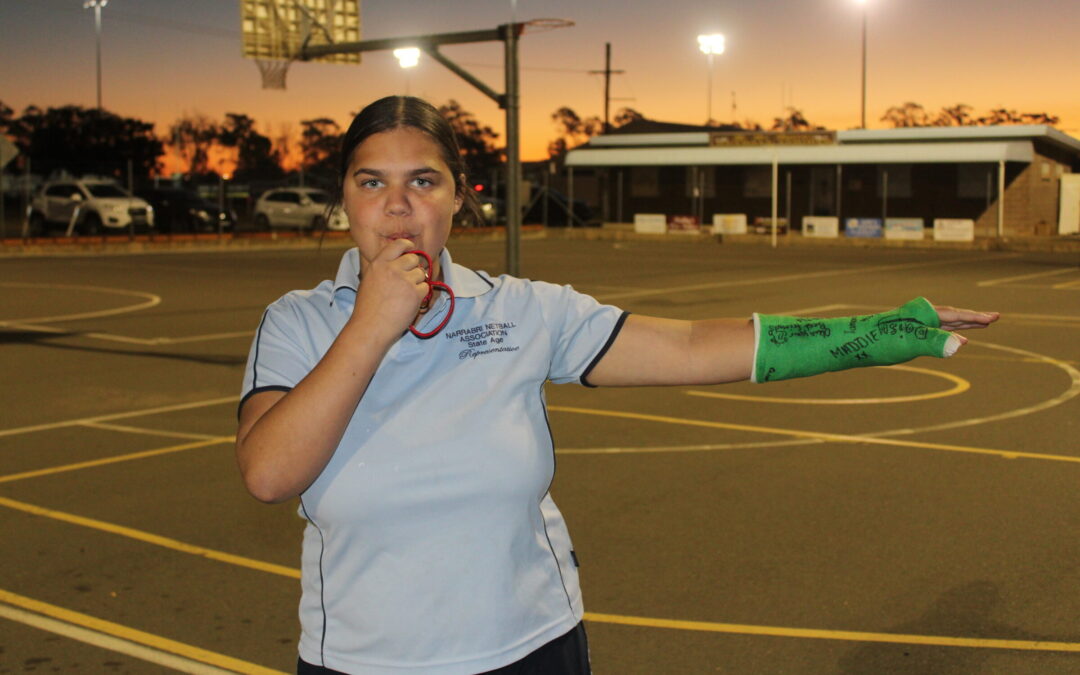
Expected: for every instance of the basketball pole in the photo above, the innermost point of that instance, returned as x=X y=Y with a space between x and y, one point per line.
x=510 y=101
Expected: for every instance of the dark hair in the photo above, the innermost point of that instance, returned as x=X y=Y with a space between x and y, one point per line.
x=395 y=112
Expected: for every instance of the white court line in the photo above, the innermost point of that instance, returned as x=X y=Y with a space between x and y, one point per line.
x=606 y=297
x=1036 y=275
x=33 y=323
x=119 y=416
x=150 y=432
x=114 y=644
x=151 y=301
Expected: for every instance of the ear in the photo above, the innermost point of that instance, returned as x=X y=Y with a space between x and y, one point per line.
x=459 y=194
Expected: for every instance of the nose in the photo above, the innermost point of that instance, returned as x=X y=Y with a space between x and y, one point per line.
x=397 y=202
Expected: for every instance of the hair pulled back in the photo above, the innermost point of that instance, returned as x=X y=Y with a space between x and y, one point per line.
x=396 y=112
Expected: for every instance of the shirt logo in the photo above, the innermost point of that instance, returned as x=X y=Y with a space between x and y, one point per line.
x=485 y=338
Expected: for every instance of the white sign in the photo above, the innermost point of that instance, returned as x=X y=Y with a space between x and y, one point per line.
x=1069 y=211
x=954 y=229
x=904 y=228
x=729 y=223
x=650 y=223
x=821 y=226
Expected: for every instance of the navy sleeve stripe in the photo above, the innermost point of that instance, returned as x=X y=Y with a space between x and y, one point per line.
x=255 y=360
x=258 y=390
x=603 y=350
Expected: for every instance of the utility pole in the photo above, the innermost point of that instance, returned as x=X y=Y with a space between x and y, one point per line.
x=607 y=72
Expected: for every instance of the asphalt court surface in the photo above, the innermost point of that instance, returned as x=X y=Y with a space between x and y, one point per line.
x=918 y=519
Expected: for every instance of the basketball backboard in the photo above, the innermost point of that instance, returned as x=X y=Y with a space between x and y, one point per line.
x=274 y=31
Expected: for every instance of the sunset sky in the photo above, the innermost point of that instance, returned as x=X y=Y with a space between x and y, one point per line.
x=163 y=59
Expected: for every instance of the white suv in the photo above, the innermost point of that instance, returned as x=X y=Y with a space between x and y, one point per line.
x=89 y=206
x=298 y=207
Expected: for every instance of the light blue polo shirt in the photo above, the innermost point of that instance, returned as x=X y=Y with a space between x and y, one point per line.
x=432 y=544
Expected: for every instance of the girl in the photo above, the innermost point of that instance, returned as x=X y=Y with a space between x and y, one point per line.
x=423 y=459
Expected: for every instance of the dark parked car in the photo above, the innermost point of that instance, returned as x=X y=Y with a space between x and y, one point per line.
x=180 y=210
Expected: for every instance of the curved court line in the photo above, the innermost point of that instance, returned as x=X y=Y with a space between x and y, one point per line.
x=151 y=301
x=817 y=435
x=647 y=622
x=1071 y=392
x=854 y=636
x=960 y=385
x=138 y=637
x=1026 y=356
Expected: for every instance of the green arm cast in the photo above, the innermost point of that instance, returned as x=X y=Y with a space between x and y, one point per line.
x=789 y=347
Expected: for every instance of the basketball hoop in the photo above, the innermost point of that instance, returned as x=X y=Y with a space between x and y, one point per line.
x=274 y=33
x=273 y=72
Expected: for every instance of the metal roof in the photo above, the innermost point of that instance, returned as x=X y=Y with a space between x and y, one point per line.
x=915 y=145
x=852 y=153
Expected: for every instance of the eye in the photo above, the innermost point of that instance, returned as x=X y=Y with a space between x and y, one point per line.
x=370 y=183
x=420 y=181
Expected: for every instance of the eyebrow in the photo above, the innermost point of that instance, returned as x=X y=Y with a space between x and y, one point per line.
x=415 y=172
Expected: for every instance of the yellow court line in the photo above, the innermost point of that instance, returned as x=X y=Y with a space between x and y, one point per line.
x=151 y=538
x=294 y=573
x=1067 y=286
x=960 y=385
x=137 y=636
x=856 y=636
x=840 y=438
x=10 y=478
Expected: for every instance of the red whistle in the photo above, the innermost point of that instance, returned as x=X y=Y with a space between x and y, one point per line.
x=432 y=285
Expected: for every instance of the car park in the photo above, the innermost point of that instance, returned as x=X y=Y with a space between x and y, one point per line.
x=180 y=210
x=87 y=206
x=298 y=207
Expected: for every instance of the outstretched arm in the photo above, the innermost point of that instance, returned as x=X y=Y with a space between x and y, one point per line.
x=655 y=351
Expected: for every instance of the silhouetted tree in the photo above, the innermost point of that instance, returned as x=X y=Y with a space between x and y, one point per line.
x=794 y=121
x=958 y=115
x=574 y=130
x=914 y=115
x=477 y=140
x=320 y=147
x=83 y=140
x=625 y=116
x=192 y=137
x=255 y=155
x=907 y=115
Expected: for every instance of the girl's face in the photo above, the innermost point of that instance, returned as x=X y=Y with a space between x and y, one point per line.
x=399 y=187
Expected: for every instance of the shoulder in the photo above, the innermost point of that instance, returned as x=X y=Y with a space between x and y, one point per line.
x=302 y=305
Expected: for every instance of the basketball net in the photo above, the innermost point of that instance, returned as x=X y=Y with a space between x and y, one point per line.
x=273 y=72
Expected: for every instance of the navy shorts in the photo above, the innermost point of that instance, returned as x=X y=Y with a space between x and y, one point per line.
x=566 y=655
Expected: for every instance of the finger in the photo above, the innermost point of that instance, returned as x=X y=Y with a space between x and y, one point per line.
x=954 y=316
x=395 y=248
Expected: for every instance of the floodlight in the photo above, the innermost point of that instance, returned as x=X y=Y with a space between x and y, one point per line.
x=408 y=57
x=711 y=44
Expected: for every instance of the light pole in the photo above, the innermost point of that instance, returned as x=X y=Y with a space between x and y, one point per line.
x=710 y=45
x=862 y=124
x=97 y=5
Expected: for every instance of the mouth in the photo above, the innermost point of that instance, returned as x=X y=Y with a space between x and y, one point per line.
x=394 y=236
